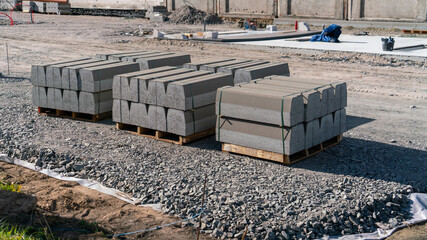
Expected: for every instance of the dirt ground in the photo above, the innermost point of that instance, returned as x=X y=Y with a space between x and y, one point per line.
x=68 y=205
x=387 y=103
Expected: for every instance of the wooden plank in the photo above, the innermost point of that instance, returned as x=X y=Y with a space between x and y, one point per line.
x=74 y=115
x=278 y=157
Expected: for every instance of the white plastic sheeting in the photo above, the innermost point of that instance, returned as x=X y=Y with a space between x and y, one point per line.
x=418 y=201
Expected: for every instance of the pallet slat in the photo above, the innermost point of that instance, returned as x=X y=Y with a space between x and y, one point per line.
x=74 y=115
x=164 y=136
x=278 y=157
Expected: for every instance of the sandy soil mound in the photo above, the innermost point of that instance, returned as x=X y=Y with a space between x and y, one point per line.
x=190 y=15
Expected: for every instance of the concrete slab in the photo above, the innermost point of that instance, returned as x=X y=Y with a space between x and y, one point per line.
x=232 y=69
x=185 y=123
x=41 y=70
x=54 y=72
x=260 y=106
x=196 y=66
x=43 y=97
x=251 y=73
x=214 y=67
x=138 y=114
x=118 y=78
x=157 y=87
x=117 y=111
x=125 y=111
x=261 y=136
x=148 y=96
x=311 y=97
x=71 y=78
x=95 y=103
x=160 y=61
x=35 y=96
x=58 y=98
x=196 y=92
x=100 y=78
x=350 y=43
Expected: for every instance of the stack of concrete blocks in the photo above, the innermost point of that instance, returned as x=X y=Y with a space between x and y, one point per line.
x=148 y=59
x=242 y=70
x=58 y=8
x=281 y=114
x=80 y=85
x=174 y=100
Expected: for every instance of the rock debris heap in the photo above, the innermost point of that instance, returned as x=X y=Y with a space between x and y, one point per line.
x=190 y=15
x=281 y=114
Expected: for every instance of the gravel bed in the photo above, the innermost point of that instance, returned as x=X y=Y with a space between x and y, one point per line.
x=355 y=187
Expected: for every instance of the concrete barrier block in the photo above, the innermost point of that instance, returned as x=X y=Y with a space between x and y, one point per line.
x=185 y=123
x=117 y=112
x=105 y=56
x=261 y=136
x=196 y=92
x=156 y=118
x=196 y=66
x=343 y=120
x=120 y=56
x=130 y=89
x=117 y=87
x=125 y=111
x=147 y=95
x=95 y=103
x=138 y=114
x=73 y=76
x=51 y=98
x=251 y=73
x=260 y=106
x=41 y=70
x=54 y=72
x=159 y=86
x=214 y=67
x=232 y=69
x=100 y=78
x=337 y=123
x=34 y=79
x=160 y=61
x=35 y=96
x=326 y=127
x=70 y=101
x=58 y=98
x=136 y=56
x=43 y=97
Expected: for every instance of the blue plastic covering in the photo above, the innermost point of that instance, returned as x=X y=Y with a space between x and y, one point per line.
x=329 y=34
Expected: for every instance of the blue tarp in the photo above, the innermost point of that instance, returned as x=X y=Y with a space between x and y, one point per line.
x=329 y=34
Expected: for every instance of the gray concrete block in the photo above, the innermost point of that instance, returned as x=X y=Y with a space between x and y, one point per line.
x=117 y=112
x=54 y=72
x=35 y=96
x=70 y=101
x=100 y=78
x=337 y=123
x=118 y=78
x=138 y=114
x=95 y=103
x=157 y=87
x=120 y=56
x=232 y=69
x=261 y=136
x=125 y=111
x=51 y=98
x=130 y=89
x=312 y=133
x=326 y=127
x=156 y=118
x=43 y=97
x=260 y=106
x=196 y=66
x=34 y=79
x=104 y=56
x=185 y=123
x=58 y=98
x=251 y=73
x=148 y=96
x=41 y=70
x=135 y=57
x=196 y=92
x=311 y=97
x=160 y=61
x=73 y=74
x=343 y=120
x=214 y=67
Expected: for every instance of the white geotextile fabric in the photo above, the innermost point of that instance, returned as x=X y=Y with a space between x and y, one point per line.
x=418 y=201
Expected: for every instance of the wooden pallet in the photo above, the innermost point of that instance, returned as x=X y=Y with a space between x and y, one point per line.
x=414 y=31
x=163 y=136
x=74 y=115
x=278 y=157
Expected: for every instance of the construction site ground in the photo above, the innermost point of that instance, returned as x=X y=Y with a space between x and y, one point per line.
x=386 y=119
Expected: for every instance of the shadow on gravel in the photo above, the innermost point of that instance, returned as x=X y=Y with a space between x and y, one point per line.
x=208 y=143
x=353 y=121
x=374 y=160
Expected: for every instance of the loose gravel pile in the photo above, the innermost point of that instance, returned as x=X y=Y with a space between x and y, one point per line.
x=354 y=187
x=190 y=15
